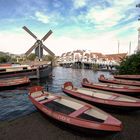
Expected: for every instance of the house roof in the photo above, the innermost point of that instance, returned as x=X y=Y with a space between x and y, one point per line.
x=116 y=57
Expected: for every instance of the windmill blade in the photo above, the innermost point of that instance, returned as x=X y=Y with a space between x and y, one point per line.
x=30 y=50
x=47 y=35
x=27 y=30
x=47 y=50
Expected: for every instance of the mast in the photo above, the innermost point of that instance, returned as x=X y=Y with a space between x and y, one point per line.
x=130 y=48
x=118 y=47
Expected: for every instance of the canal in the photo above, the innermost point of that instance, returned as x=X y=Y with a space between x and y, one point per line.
x=15 y=103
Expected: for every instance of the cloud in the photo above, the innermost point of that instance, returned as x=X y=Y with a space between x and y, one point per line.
x=109 y=16
x=42 y=17
x=95 y=25
x=106 y=17
x=79 y=3
x=106 y=43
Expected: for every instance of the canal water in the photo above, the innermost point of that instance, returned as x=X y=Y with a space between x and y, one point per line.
x=15 y=103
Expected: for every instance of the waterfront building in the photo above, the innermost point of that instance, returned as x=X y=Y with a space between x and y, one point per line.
x=86 y=59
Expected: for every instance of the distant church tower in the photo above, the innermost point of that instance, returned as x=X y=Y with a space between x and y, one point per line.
x=138 y=48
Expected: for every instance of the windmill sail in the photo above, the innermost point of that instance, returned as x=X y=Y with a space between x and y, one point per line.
x=38 y=46
x=47 y=50
x=27 y=30
x=30 y=50
x=47 y=35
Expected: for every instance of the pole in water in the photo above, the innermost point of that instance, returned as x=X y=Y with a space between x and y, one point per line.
x=47 y=87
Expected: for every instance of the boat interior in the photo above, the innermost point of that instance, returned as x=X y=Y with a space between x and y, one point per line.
x=70 y=107
x=103 y=94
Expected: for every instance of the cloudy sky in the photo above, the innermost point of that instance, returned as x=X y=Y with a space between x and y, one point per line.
x=96 y=25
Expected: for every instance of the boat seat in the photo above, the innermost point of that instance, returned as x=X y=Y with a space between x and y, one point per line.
x=49 y=100
x=79 y=111
x=43 y=94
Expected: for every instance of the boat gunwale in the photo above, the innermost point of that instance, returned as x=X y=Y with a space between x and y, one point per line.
x=124 y=89
x=102 y=78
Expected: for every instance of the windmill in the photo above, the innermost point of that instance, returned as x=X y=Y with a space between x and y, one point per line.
x=38 y=46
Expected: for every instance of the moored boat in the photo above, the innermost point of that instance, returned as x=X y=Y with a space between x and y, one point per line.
x=73 y=112
x=31 y=71
x=128 y=90
x=102 y=98
x=129 y=77
x=13 y=82
x=102 y=78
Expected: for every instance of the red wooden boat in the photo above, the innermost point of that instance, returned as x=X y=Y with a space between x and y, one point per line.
x=72 y=112
x=128 y=90
x=129 y=77
x=117 y=81
x=13 y=82
x=5 y=65
x=102 y=98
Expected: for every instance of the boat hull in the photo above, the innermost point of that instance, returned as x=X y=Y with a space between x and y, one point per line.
x=63 y=120
x=12 y=83
x=128 y=77
x=33 y=73
x=75 y=129
x=14 y=86
x=125 y=90
x=106 y=107
x=118 y=81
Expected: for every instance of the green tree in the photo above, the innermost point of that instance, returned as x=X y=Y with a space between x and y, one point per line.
x=49 y=58
x=130 y=65
x=31 y=57
x=4 y=58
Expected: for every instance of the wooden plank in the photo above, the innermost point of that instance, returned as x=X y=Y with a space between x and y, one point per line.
x=79 y=111
x=49 y=100
x=43 y=94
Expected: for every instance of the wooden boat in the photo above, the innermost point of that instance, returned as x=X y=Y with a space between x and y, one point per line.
x=31 y=71
x=128 y=90
x=102 y=98
x=73 y=112
x=5 y=65
x=13 y=82
x=118 y=81
x=129 y=77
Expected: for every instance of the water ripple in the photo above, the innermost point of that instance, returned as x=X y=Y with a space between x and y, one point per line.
x=15 y=103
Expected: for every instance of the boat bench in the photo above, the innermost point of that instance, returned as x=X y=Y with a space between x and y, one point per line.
x=79 y=111
x=43 y=94
x=49 y=100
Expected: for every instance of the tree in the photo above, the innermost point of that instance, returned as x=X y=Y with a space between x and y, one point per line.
x=31 y=57
x=49 y=58
x=130 y=65
x=4 y=58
